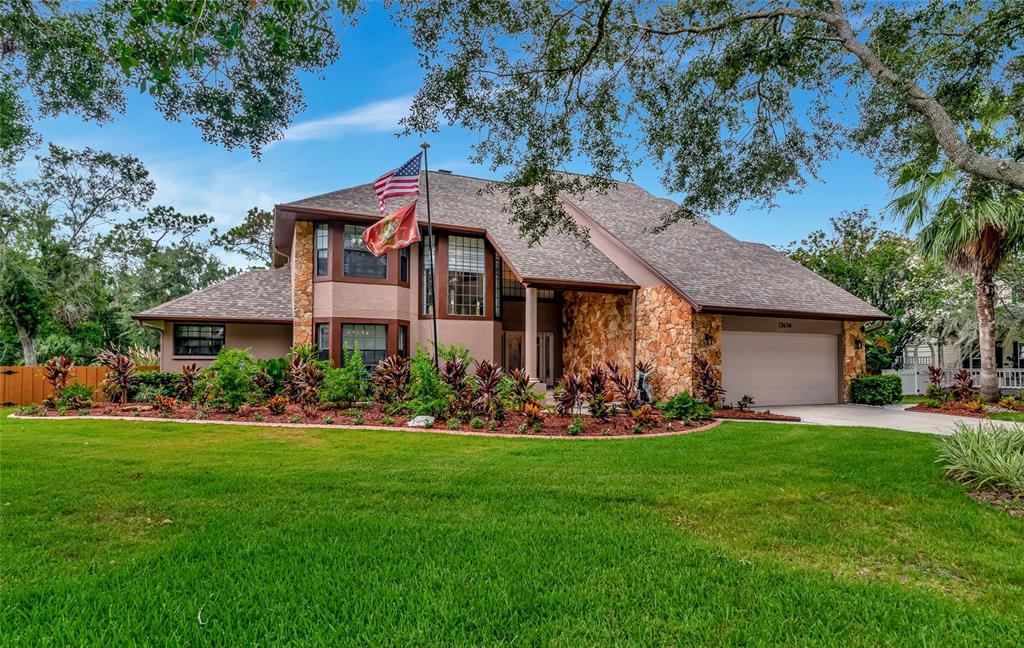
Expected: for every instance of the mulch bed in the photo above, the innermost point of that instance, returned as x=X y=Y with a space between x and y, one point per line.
x=954 y=409
x=752 y=415
x=1005 y=501
x=374 y=416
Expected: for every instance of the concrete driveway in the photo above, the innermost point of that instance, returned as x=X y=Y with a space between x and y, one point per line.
x=893 y=417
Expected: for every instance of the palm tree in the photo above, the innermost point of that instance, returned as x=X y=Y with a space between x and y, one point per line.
x=973 y=227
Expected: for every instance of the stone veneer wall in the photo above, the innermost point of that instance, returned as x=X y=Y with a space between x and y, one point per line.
x=707 y=340
x=302 y=283
x=665 y=338
x=855 y=362
x=596 y=327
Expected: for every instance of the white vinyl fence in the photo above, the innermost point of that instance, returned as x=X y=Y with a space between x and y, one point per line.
x=915 y=379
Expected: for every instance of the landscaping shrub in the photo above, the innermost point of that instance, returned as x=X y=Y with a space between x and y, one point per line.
x=390 y=379
x=428 y=394
x=745 y=403
x=532 y=412
x=120 y=378
x=963 y=385
x=189 y=375
x=576 y=427
x=228 y=382
x=477 y=423
x=165 y=404
x=624 y=387
x=58 y=372
x=644 y=416
x=684 y=407
x=487 y=399
x=876 y=390
x=708 y=381
x=568 y=394
x=595 y=387
x=346 y=384
x=277 y=404
x=271 y=376
x=75 y=396
x=517 y=390
x=167 y=383
x=986 y=456
x=453 y=373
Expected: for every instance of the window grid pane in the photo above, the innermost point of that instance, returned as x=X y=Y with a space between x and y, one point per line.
x=198 y=339
x=323 y=341
x=360 y=262
x=427 y=278
x=510 y=286
x=466 y=285
x=372 y=340
x=321 y=249
x=403 y=265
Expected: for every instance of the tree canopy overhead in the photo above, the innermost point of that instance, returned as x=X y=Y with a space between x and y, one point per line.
x=734 y=101
x=232 y=66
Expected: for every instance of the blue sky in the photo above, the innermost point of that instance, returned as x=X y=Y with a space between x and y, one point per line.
x=346 y=136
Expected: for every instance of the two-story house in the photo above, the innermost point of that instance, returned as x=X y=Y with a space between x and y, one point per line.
x=776 y=330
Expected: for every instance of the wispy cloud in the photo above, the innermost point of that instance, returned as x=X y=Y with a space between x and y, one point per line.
x=373 y=117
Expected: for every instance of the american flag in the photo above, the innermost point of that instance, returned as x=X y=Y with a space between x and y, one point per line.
x=403 y=181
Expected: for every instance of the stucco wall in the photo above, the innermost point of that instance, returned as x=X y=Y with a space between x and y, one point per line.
x=262 y=340
x=596 y=327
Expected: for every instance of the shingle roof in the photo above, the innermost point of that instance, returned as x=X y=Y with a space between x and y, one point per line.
x=712 y=268
x=258 y=295
x=457 y=200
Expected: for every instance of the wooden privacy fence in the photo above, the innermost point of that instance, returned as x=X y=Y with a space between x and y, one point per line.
x=27 y=385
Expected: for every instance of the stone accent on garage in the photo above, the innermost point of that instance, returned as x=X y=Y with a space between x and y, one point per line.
x=707 y=340
x=596 y=327
x=665 y=339
x=854 y=359
x=302 y=283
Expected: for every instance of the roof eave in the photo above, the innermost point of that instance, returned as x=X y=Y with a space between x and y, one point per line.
x=798 y=314
x=149 y=317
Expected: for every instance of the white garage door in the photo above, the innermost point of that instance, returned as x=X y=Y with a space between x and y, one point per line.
x=780 y=368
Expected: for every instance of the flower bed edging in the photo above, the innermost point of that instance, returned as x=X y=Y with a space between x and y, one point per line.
x=376 y=428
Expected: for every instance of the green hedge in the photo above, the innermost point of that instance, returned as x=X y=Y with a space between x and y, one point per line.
x=876 y=390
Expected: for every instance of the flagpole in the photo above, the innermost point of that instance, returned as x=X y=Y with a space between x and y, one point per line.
x=430 y=235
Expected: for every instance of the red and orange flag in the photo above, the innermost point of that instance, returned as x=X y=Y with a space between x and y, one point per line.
x=393 y=232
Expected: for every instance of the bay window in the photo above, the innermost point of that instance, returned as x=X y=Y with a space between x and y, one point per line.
x=466 y=279
x=360 y=262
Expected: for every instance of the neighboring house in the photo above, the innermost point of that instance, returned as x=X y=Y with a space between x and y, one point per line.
x=776 y=330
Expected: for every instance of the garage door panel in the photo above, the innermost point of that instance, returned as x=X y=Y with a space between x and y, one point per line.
x=780 y=368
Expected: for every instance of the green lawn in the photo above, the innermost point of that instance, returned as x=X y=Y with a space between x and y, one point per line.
x=1007 y=416
x=746 y=534
x=913 y=400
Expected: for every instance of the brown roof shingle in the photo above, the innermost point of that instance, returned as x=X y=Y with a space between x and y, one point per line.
x=459 y=201
x=257 y=295
x=714 y=269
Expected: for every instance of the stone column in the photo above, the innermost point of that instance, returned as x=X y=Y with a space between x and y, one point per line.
x=530 y=338
x=302 y=283
x=854 y=356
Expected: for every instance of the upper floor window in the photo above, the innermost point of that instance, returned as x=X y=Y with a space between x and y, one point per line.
x=320 y=249
x=498 y=267
x=428 y=252
x=198 y=339
x=403 y=265
x=510 y=286
x=360 y=262
x=466 y=279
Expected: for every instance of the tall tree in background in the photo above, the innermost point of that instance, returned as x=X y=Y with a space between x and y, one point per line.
x=232 y=66
x=252 y=238
x=972 y=224
x=74 y=266
x=885 y=270
x=731 y=101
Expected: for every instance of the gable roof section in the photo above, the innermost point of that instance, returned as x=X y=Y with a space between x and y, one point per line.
x=254 y=296
x=714 y=270
x=456 y=201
